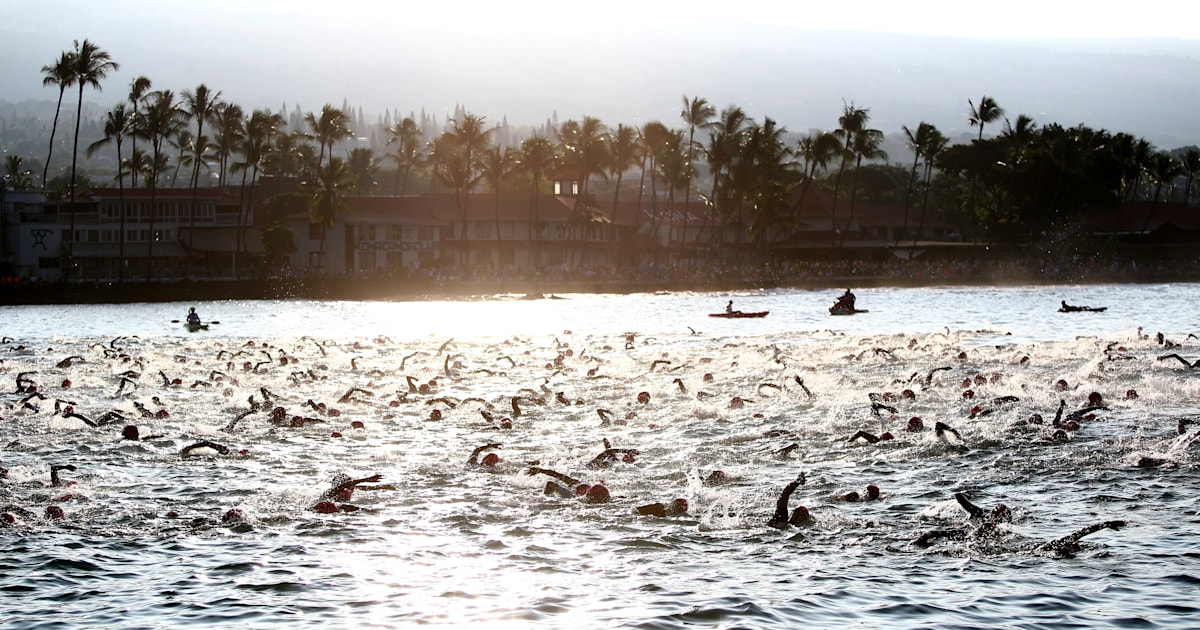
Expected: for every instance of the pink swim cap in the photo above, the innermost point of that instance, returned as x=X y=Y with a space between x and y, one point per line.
x=326 y=507
x=491 y=459
x=597 y=494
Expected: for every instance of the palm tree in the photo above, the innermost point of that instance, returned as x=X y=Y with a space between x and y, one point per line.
x=622 y=156
x=329 y=129
x=162 y=120
x=496 y=164
x=917 y=141
x=92 y=65
x=988 y=111
x=326 y=198
x=1191 y=167
x=724 y=139
x=582 y=145
x=230 y=123
x=1164 y=169
x=458 y=156
x=118 y=125
x=407 y=136
x=867 y=145
x=261 y=128
x=361 y=162
x=816 y=152
x=537 y=157
x=15 y=176
x=138 y=88
x=932 y=149
x=696 y=113
x=852 y=121
x=62 y=74
x=199 y=105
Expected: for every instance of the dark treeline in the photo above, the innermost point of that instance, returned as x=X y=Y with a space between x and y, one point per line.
x=1025 y=180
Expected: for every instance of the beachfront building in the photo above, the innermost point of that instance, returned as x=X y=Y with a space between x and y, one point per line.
x=29 y=236
x=159 y=234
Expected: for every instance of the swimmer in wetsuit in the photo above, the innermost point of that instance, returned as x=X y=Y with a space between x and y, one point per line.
x=491 y=459
x=781 y=519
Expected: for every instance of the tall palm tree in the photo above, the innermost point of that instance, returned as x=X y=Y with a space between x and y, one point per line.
x=118 y=125
x=161 y=121
x=199 y=106
x=138 y=88
x=331 y=127
x=458 y=152
x=582 y=146
x=261 y=129
x=917 y=141
x=62 y=74
x=867 y=145
x=696 y=113
x=934 y=145
x=92 y=66
x=655 y=138
x=537 y=158
x=326 y=198
x=815 y=152
x=406 y=134
x=852 y=121
x=229 y=122
x=988 y=111
x=622 y=156
x=725 y=137
x=496 y=164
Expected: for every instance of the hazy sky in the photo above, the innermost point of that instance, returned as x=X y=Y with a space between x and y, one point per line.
x=523 y=59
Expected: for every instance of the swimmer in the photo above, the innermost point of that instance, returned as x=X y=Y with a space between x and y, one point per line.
x=999 y=513
x=491 y=459
x=1191 y=365
x=781 y=519
x=610 y=455
x=187 y=450
x=594 y=493
x=871 y=438
x=675 y=508
x=54 y=478
x=132 y=434
x=941 y=429
x=345 y=487
x=1068 y=545
x=872 y=493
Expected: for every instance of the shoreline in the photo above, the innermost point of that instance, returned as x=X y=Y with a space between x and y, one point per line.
x=408 y=289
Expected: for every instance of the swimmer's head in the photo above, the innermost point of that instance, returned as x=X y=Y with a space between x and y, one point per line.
x=1061 y=385
x=887 y=435
x=597 y=494
x=851 y=496
x=130 y=432
x=872 y=492
x=678 y=506
x=234 y=515
x=192 y=309
x=1001 y=513
x=800 y=516
x=326 y=507
x=491 y=459
x=915 y=424
x=1095 y=398
x=643 y=397
x=716 y=477
x=1131 y=394
x=55 y=513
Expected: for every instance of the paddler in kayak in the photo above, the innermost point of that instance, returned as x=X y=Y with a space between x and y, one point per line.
x=193 y=318
x=846 y=301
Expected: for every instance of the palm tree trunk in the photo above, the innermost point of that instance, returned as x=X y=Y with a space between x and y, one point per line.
x=53 y=130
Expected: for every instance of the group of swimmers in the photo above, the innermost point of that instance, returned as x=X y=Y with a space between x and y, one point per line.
x=260 y=361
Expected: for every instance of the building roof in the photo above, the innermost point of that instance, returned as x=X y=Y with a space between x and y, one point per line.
x=1144 y=218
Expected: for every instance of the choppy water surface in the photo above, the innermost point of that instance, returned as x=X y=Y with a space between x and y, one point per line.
x=144 y=543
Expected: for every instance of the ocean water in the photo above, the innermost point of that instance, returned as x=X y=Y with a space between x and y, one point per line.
x=145 y=543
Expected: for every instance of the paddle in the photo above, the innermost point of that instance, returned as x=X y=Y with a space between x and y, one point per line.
x=176 y=321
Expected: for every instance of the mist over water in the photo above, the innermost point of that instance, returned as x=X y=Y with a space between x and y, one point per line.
x=144 y=544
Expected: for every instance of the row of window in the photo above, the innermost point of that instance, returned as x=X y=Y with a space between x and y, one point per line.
x=165 y=211
x=114 y=236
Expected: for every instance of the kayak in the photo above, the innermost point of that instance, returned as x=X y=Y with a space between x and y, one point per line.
x=836 y=310
x=739 y=314
x=195 y=327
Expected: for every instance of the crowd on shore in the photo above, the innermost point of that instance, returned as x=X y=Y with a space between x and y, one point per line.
x=459 y=280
